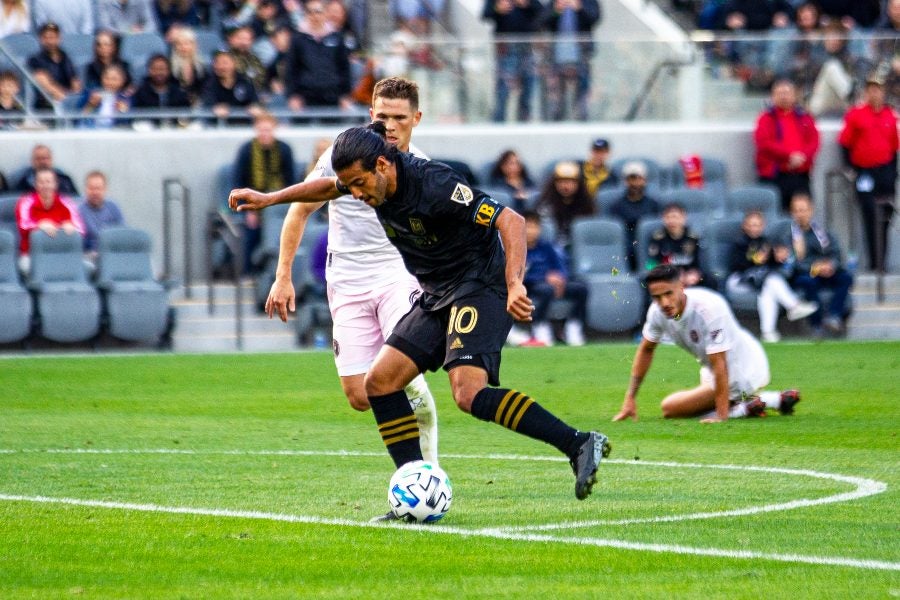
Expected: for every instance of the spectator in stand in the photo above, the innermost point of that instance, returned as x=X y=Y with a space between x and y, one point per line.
x=511 y=175
x=111 y=100
x=816 y=265
x=869 y=140
x=753 y=18
x=276 y=72
x=564 y=198
x=569 y=61
x=337 y=16
x=675 y=243
x=836 y=82
x=42 y=158
x=416 y=16
x=596 y=170
x=10 y=103
x=759 y=265
x=267 y=18
x=126 y=16
x=106 y=52
x=71 y=16
x=886 y=52
x=319 y=64
x=159 y=89
x=852 y=13
x=51 y=67
x=514 y=58
x=787 y=141
x=546 y=278
x=97 y=212
x=171 y=13
x=796 y=52
x=188 y=67
x=227 y=89
x=15 y=17
x=265 y=164
x=45 y=209
x=240 y=44
x=633 y=206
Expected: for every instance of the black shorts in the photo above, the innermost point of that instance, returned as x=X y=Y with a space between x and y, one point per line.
x=470 y=331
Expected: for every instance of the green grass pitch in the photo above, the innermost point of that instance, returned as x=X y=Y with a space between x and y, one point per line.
x=248 y=476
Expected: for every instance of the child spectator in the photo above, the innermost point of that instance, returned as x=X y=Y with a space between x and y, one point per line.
x=676 y=244
x=758 y=265
x=10 y=104
x=44 y=209
x=108 y=102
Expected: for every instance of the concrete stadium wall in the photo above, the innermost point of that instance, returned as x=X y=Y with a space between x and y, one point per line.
x=137 y=163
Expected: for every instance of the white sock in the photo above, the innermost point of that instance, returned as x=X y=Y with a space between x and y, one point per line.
x=422 y=403
x=738 y=411
x=771 y=399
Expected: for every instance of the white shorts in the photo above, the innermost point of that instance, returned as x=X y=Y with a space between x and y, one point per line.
x=745 y=379
x=362 y=322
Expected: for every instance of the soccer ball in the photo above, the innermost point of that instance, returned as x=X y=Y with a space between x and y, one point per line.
x=420 y=492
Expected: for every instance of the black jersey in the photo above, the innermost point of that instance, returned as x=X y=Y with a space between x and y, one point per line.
x=444 y=230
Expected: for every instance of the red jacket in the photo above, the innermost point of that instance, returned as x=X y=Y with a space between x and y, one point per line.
x=871 y=137
x=773 y=147
x=30 y=211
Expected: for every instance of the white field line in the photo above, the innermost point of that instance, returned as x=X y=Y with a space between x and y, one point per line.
x=837 y=561
x=864 y=487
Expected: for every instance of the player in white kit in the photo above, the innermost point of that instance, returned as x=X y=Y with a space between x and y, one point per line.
x=369 y=288
x=734 y=367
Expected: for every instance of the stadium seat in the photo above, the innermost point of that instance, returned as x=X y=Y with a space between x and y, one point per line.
x=598 y=247
x=138 y=47
x=645 y=229
x=607 y=196
x=615 y=302
x=68 y=307
x=718 y=238
x=208 y=42
x=21 y=45
x=461 y=167
x=18 y=308
x=137 y=305
x=697 y=203
x=501 y=196
x=312 y=305
x=80 y=49
x=8 y=215
x=764 y=198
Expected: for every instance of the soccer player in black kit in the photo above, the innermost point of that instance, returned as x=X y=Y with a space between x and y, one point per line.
x=468 y=253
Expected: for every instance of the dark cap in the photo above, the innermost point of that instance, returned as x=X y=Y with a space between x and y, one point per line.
x=600 y=144
x=48 y=26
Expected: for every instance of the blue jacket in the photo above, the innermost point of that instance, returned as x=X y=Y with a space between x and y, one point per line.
x=542 y=259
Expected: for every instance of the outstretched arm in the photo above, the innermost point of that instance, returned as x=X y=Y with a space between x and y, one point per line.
x=282 y=296
x=320 y=189
x=643 y=357
x=718 y=364
x=511 y=227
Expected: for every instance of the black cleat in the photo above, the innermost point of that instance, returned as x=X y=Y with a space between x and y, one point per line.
x=585 y=463
x=789 y=398
x=390 y=516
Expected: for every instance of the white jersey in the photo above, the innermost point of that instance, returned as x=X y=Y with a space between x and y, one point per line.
x=359 y=253
x=707 y=326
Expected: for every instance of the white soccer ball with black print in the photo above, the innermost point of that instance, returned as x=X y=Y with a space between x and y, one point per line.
x=420 y=492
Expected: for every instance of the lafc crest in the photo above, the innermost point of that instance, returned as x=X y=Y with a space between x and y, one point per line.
x=462 y=194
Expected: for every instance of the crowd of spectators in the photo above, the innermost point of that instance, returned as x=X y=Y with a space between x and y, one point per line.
x=281 y=53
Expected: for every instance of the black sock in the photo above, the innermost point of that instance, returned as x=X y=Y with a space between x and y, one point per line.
x=397 y=426
x=516 y=411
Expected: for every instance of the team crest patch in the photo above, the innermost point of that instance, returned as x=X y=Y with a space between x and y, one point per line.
x=716 y=335
x=462 y=194
x=695 y=337
x=416 y=226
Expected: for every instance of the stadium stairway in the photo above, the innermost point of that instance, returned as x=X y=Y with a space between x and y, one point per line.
x=871 y=320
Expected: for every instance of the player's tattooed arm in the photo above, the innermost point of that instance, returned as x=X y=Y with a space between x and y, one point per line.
x=634 y=385
x=642 y=359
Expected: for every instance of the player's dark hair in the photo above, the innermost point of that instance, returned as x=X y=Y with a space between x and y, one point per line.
x=666 y=273
x=364 y=144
